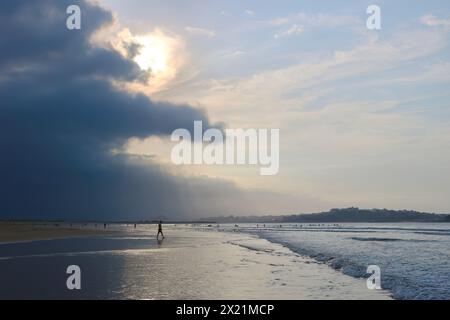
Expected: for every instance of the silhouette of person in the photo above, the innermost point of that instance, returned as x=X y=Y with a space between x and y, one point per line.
x=160 y=230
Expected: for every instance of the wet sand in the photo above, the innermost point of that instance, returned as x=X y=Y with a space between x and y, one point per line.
x=27 y=231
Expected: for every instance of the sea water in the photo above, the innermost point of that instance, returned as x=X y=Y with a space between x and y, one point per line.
x=414 y=258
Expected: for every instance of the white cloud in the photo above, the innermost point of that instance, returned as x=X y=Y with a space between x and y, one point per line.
x=326 y=20
x=292 y=31
x=250 y=12
x=432 y=21
x=301 y=22
x=316 y=20
x=233 y=53
x=430 y=74
x=279 y=21
x=200 y=31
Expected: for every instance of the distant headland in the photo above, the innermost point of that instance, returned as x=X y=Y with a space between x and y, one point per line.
x=340 y=215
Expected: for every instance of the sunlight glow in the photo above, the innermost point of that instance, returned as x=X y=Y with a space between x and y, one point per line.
x=153 y=55
x=158 y=52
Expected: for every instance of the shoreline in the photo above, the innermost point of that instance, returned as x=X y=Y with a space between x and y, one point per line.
x=19 y=232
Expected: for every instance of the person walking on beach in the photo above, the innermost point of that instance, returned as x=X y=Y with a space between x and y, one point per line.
x=160 y=229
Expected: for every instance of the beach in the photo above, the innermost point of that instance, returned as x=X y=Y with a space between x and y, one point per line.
x=32 y=231
x=190 y=263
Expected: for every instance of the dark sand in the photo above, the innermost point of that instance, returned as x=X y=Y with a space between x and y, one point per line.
x=27 y=231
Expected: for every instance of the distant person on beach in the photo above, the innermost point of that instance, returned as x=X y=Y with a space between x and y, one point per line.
x=160 y=230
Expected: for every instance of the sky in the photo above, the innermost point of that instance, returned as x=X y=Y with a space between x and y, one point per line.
x=86 y=115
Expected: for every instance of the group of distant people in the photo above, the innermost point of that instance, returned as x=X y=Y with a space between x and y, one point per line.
x=160 y=232
x=105 y=225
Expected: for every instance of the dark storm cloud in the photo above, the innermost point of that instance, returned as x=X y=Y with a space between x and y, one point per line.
x=59 y=119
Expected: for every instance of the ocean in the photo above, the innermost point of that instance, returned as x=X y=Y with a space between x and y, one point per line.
x=414 y=258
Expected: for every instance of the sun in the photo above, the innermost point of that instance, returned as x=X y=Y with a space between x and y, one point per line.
x=159 y=53
x=154 y=54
